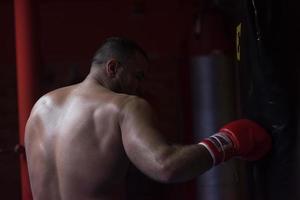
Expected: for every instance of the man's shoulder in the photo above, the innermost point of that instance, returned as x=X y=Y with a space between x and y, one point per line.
x=133 y=105
x=131 y=101
x=55 y=96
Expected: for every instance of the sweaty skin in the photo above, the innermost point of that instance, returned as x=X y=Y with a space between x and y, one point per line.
x=80 y=139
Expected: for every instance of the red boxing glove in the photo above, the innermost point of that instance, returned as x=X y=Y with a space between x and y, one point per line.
x=242 y=138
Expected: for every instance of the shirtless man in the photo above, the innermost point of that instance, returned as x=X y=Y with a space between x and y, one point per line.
x=80 y=139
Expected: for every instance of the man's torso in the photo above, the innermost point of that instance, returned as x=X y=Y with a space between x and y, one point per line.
x=74 y=145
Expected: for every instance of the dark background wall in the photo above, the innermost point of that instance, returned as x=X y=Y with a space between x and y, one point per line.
x=9 y=165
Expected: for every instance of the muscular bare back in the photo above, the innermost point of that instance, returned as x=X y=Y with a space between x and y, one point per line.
x=79 y=139
x=74 y=144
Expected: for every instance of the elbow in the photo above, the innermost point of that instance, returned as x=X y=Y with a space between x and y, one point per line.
x=167 y=173
x=165 y=168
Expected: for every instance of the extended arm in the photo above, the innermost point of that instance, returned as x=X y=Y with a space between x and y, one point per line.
x=148 y=150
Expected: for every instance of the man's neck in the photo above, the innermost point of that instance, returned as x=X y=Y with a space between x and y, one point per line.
x=97 y=78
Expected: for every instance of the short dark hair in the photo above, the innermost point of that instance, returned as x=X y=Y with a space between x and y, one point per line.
x=120 y=48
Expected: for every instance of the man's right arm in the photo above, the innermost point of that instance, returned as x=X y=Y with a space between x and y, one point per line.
x=149 y=151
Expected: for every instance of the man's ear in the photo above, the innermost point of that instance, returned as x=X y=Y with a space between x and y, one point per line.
x=111 y=67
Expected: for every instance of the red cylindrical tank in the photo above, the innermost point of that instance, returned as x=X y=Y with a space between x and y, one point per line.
x=27 y=61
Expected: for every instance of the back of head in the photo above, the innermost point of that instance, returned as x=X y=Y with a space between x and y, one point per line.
x=118 y=48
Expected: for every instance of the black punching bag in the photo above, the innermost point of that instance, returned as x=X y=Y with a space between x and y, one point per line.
x=264 y=93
